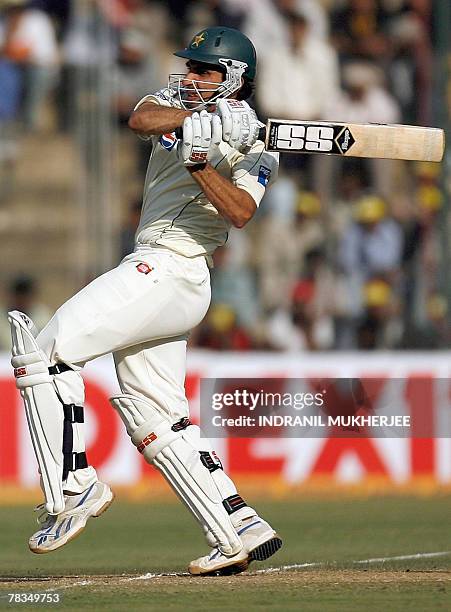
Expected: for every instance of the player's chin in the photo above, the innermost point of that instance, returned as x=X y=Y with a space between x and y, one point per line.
x=192 y=101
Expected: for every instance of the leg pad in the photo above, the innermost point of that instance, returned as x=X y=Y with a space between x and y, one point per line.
x=176 y=455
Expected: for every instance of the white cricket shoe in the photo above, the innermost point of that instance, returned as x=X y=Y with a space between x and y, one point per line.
x=260 y=541
x=57 y=530
x=217 y=564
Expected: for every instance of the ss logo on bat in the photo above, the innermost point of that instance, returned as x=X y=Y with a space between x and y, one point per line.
x=306 y=138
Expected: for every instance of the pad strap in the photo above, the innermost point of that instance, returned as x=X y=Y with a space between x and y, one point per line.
x=72 y=461
x=59 y=368
x=182 y=424
x=233 y=503
x=209 y=462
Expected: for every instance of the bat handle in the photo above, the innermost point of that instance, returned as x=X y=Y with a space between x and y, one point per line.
x=261 y=133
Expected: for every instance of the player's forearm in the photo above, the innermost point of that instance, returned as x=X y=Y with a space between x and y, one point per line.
x=151 y=119
x=231 y=202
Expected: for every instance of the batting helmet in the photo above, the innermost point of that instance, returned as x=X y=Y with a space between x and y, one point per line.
x=214 y=45
x=228 y=50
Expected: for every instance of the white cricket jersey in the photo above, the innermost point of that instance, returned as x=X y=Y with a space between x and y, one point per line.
x=176 y=213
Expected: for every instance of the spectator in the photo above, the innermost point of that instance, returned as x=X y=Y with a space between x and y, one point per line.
x=370 y=247
x=308 y=323
x=233 y=279
x=327 y=302
x=128 y=230
x=142 y=54
x=290 y=329
x=28 y=38
x=137 y=71
x=379 y=327
x=89 y=52
x=434 y=332
x=364 y=99
x=349 y=189
x=422 y=247
x=179 y=12
x=276 y=252
x=411 y=67
x=227 y=13
x=372 y=243
x=296 y=79
x=267 y=26
x=357 y=30
x=290 y=228
x=59 y=11
x=10 y=94
x=221 y=331
x=22 y=295
x=299 y=76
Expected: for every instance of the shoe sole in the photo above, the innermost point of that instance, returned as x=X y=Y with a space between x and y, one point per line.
x=224 y=570
x=265 y=550
x=105 y=506
x=102 y=509
x=259 y=553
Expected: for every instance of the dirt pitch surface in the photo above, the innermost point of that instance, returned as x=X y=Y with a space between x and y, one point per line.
x=277 y=578
x=312 y=589
x=387 y=553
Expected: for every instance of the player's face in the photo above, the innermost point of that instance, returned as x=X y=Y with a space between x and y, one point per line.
x=200 y=82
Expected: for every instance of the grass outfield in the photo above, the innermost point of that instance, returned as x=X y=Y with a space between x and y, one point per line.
x=106 y=567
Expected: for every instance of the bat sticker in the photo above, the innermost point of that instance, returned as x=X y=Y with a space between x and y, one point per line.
x=344 y=140
x=313 y=138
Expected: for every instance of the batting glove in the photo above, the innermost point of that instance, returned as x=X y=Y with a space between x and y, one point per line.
x=240 y=124
x=201 y=136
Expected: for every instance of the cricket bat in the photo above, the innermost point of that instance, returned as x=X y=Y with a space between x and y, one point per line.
x=377 y=140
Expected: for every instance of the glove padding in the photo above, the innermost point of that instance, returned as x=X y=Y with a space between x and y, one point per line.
x=202 y=134
x=240 y=125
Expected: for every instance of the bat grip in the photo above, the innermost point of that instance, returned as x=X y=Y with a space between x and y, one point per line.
x=261 y=133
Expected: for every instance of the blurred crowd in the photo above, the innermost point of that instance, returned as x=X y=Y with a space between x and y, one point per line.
x=342 y=253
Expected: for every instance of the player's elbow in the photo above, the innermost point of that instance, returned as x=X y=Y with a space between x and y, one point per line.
x=244 y=213
x=134 y=122
x=137 y=124
x=240 y=221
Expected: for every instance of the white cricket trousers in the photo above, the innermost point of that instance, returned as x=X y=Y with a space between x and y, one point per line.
x=141 y=312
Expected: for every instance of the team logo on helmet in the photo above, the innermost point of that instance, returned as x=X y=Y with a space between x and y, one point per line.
x=198 y=40
x=168 y=141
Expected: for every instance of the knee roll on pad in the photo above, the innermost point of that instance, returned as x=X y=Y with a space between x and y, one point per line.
x=174 y=452
x=50 y=419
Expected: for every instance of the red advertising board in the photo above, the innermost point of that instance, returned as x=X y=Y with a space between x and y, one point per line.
x=290 y=462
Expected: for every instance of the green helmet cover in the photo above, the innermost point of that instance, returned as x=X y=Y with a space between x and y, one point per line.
x=212 y=44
